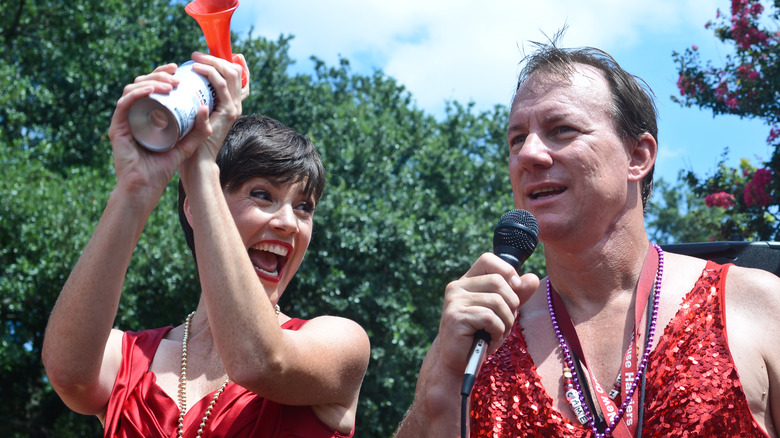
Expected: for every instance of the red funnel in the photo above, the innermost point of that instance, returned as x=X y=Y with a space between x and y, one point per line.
x=213 y=16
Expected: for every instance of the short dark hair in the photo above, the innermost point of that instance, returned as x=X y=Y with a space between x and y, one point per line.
x=633 y=105
x=259 y=146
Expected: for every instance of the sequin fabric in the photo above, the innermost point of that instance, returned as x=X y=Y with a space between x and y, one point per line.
x=692 y=385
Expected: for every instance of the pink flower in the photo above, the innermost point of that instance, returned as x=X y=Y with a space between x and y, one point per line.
x=736 y=6
x=745 y=33
x=681 y=84
x=720 y=199
x=720 y=90
x=689 y=86
x=763 y=176
x=774 y=133
x=755 y=191
x=756 y=196
x=732 y=102
x=756 y=9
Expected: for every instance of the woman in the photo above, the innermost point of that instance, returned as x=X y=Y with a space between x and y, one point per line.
x=237 y=367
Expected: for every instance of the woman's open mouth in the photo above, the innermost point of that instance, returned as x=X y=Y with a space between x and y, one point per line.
x=268 y=259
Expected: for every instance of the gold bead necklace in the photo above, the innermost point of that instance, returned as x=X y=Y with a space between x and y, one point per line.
x=183 y=382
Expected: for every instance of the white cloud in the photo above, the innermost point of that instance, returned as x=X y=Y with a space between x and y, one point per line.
x=468 y=50
x=463 y=50
x=671 y=156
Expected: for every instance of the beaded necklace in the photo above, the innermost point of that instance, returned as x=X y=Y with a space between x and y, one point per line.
x=183 y=382
x=573 y=390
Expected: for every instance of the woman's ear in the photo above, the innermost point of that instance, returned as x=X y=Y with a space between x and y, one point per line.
x=642 y=157
x=187 y=212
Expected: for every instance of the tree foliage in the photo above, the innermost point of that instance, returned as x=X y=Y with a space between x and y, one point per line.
x=411 y=199
x=678 y=215
x=747 y=85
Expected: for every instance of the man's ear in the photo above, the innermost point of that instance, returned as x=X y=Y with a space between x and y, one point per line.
x=642 y=157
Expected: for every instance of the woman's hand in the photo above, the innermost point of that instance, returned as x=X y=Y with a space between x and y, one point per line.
x=139 y=171
x=146 y=173
x=209 y=132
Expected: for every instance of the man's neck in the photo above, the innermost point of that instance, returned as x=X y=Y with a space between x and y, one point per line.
x=591 y=278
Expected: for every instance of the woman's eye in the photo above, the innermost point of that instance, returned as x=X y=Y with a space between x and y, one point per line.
x=306 y=207
x=260 y=194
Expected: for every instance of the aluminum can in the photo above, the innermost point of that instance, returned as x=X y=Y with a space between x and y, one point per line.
x=157 y=122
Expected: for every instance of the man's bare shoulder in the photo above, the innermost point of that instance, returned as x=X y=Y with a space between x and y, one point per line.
x=681 y=273
x=752 y=304
x=754 y=289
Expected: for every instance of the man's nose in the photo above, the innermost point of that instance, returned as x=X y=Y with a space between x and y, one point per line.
x=534 y=153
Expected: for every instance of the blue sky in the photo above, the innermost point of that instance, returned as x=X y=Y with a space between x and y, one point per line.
x=468 y=51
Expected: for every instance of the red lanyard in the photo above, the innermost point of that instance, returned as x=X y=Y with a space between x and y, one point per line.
x=627 y=426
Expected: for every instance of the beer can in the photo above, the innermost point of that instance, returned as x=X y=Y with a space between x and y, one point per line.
x=157 y=122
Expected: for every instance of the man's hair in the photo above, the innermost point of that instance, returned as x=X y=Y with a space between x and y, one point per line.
x=633 y=105
x=259 y=146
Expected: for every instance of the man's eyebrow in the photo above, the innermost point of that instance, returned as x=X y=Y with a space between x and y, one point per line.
x=556 y=116
x=551 y=117
x=514 y=127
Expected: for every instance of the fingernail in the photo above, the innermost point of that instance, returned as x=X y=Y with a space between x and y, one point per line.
x=515 y=282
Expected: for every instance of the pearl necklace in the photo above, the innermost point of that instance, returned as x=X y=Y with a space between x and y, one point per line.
x=570 y=367
x=183 y=382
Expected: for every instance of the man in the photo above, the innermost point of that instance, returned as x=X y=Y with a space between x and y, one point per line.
x=621 y=339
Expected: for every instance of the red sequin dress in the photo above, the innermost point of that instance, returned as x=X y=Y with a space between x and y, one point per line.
x=139 y=408
x=692 y=387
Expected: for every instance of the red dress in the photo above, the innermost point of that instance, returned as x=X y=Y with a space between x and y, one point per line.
x=692 y=387
x=139 y=408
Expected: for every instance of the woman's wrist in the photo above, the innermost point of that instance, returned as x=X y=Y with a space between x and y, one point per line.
x=135 y=200
x=199 y=172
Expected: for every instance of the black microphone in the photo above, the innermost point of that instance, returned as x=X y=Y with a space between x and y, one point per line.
x=514 y=240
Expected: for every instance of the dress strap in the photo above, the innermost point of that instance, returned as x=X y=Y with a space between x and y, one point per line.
x=294 y=324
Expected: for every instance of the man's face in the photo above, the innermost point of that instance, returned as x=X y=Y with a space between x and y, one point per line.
x=567 y=164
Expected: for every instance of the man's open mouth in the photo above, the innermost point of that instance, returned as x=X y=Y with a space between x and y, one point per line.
x=547 y=192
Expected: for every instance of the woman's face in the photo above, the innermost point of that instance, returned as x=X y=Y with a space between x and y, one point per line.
x=275 y=223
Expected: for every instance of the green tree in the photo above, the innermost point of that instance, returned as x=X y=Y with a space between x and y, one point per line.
x=677 y=215
x=747 y=85
x=411 y=200
x=63 y=67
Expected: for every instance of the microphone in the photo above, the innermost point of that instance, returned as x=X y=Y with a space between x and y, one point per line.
x=514 y=240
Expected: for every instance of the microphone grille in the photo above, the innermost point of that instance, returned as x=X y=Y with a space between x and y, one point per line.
x=523 y=218
x=518 y=232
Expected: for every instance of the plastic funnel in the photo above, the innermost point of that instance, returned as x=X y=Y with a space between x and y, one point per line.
x=214 y=16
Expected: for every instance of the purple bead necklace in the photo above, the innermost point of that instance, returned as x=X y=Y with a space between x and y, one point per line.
x=569 y=363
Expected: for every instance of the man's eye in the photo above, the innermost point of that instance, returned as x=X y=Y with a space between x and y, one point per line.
x=517 y=140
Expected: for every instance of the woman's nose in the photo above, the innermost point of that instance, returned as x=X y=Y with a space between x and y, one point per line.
x=284 y=219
